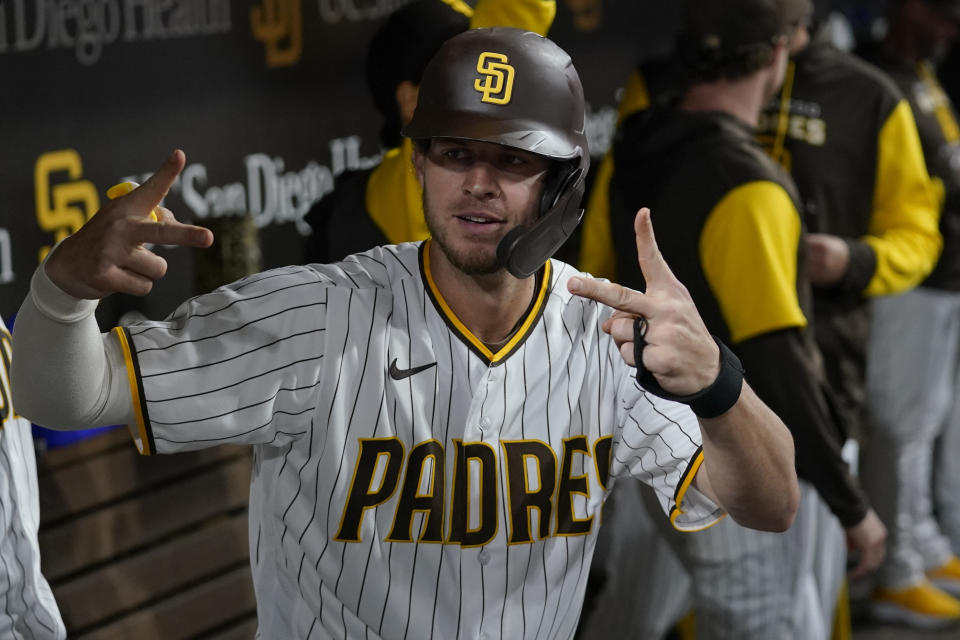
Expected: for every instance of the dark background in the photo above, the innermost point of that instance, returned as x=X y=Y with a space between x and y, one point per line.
x=195 y=74
x=115 y=85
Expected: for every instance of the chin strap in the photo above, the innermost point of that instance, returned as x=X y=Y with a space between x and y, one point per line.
x=524 y=249
x=709 y=402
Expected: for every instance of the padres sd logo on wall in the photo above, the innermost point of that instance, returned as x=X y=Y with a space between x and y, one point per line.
x=279 y=25
x=64 y=207
x=496 y=81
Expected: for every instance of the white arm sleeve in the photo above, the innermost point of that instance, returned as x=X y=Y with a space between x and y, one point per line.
x=65 y=373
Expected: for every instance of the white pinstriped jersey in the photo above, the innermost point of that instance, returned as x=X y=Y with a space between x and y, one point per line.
x=408 y=482
x=27 y=607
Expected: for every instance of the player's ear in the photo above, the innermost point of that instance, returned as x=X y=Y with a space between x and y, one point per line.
x=406 y=96
x=419 y=157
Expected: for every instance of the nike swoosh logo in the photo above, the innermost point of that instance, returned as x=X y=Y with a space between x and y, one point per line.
x=399 y=374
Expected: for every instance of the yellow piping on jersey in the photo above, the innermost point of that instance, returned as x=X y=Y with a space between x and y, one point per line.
x=143 y=442
x=6 y=342
x=783 y=118
x=948 y=125
x=676 y=512
x=462 y=329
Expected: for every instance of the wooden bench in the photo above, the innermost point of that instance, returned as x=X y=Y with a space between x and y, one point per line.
x=147 y=547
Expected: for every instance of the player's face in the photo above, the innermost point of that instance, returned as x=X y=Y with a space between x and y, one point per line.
x=473 y=194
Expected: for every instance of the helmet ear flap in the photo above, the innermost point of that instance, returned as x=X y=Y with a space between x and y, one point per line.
x=524 y=249
x=559 y=178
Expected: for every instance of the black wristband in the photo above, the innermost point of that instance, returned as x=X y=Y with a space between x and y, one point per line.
x=709 y=402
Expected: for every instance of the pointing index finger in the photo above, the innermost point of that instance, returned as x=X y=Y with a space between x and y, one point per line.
x=150 y=193
x=652 y=264
x=609 y=293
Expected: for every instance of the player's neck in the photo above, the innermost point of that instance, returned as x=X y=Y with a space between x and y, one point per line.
x=742 y=98
x=488 y=305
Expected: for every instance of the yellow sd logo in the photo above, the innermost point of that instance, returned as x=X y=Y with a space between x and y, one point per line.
x=496 y=83
x=279 y=25
x=62 y=208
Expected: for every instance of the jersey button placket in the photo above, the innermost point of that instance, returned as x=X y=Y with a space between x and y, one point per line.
x=485 y=423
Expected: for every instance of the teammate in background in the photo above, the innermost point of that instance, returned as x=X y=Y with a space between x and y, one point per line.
x=435 y=425
x=27 y=606
x=659 y=81
x=872 y=235
x=846 y=134
x=913 y=363
x=735 y=240
x=381 y=205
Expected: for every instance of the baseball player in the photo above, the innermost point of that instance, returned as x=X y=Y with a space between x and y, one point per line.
x=27 y=606
x=382 y=204
x=735 y=242
x=435 y=424
x=914 y=349
x=847 y=136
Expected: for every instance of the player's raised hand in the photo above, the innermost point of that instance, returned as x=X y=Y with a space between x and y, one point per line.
x=680 y=352
x=107 y=254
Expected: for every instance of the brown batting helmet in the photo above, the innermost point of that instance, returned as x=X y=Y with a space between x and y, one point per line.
x=520 y=90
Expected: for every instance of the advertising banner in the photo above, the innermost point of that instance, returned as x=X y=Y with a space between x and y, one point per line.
x=266 y=97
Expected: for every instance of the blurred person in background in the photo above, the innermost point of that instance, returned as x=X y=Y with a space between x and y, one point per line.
x=875 y=232
x=27 y=606
x=728 y=217
x=847 y=135
x=913 y=363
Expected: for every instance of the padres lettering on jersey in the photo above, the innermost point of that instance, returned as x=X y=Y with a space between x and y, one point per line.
x=408 y=481
x=528 y=487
